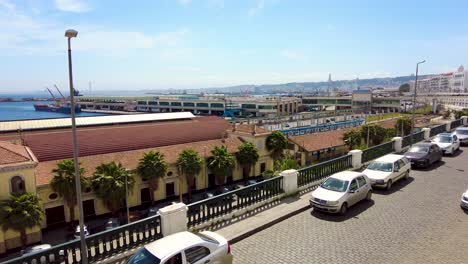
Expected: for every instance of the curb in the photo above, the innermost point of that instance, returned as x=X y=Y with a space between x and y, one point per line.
x=267 y=225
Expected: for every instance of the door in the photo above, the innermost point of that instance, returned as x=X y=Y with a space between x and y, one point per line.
x=396 y=171
x=170 y=189
x=456 y=142
x=354 y=192
x=432 y=155
x=145 y=196
x=197 y=254
x=55 y=215
x=88 y=208
x=363 y=186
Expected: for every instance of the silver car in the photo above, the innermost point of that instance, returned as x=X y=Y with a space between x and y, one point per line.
x=341 y=191
x=462 y=134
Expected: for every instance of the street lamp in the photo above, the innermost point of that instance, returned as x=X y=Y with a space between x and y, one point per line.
x=84 y=252
x=414 y=100
x=126 y=196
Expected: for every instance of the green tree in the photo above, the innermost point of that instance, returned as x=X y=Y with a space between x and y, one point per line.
x=20 y=212
x=286 y=163
x=352 y=138
x=108 y=184
x=221 y=163
x=63 y=183
x=276 y=142
x=404 y=88
x=152 y=167
x=376 y=134
x=403 y=126
x=247 y=156
x=189 y=164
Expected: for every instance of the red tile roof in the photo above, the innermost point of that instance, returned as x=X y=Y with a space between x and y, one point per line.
x=57 y=144
x=130 y=159
x=318 y=141
x=12 y=154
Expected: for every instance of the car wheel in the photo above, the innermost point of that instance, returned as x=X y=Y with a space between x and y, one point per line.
x=406 y=175
x=369 y=195
x=343 y=209
x=389 y=185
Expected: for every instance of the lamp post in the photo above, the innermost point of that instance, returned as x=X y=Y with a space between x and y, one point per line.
x=414 y=100
x=84 y=251
x=206 y=170
x=126 y=197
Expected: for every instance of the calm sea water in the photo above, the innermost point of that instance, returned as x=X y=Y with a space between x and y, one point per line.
x=25 y=110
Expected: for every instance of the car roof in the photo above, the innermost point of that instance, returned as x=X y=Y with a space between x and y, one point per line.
x=390 y=158
x=171 y=244
x=346 y=175
x=426 y=144
x=444 y=134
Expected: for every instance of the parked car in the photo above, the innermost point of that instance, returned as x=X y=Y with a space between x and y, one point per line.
x=423 y=154
x=447 y=142
x=112 y=223
x=77 y=231
x=341 y=191
x=153 y=210
x=462 y=134
x=185 y=247
x=35 y=249
x=464 y=201
x=386 y=170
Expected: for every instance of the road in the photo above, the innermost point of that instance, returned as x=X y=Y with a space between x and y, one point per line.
x=418 y=221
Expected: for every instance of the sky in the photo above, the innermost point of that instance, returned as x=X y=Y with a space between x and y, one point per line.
x=181 y=44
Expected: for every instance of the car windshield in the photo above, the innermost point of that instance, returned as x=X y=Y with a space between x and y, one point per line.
x=336 y=185
x=380 y=166
x=462 y=131
x=143 y=256
x=419 y=149
x=443 y=139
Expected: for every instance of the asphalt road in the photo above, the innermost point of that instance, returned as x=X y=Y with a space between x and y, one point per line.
x=418 y=221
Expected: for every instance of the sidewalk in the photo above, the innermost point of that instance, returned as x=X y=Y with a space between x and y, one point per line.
x=263 y=217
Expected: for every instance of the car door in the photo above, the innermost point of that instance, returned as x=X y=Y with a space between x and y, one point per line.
x=354 y=192
x=175 y=259
x=363 y=186
x=198 y=255
x=396 y=171
x=456 y=142
x=432 y=155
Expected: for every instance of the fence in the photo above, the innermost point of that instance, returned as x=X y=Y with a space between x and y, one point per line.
x=456 y=123
x=100 y=245
x=377 y=151
x=226 y=203
x=417 y=137
x=437 y=129
x=322 y=170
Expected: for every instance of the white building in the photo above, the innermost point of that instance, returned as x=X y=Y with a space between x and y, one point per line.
x=452 y=82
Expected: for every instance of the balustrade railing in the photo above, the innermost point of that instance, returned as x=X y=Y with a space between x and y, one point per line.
x=437 y=129
x=377 y=151
x=417 y=137
x=456 y=123
x=100 y=245
x=205 y=210
x=322 y=170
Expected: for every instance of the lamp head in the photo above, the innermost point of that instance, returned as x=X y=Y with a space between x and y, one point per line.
x=71 y=33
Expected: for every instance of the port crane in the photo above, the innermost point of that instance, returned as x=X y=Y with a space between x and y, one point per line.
x=56 y=87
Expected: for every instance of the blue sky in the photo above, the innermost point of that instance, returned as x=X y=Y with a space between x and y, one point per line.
x=157 y=44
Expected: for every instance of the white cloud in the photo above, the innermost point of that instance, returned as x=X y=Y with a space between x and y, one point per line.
x=292 y=55
x=75 y=6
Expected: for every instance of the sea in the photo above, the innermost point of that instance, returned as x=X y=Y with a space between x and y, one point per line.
x=25 y=110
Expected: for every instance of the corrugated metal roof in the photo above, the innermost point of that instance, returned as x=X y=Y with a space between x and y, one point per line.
x=7 y=126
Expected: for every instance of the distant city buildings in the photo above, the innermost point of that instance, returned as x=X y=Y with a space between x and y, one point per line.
x=452 y=82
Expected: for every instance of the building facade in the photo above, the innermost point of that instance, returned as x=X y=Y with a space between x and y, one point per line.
x=452 y=82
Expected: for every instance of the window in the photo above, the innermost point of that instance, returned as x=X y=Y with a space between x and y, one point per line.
x=361 y=181
x=17 y=185
x=169 y=173
x=194 y=254
x=189 y=104
x=353 y=186
x=401 y=163
x=170 y=190
x=143 y=256
x=163 y=103
x=176 y=103
x=202 y=104
x=176 y=259
x=53 y=196
x=262 y=167
x=218 y=105
x=396 y=166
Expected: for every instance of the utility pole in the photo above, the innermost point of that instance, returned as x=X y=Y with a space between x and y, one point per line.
x=414 y=101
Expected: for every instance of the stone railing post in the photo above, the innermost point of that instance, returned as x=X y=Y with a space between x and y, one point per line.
x=290 y=181
x=173 y=218
x=447 y=126
x=464 y=120
x=356 y=158
x=427 y=133
x=398 y=144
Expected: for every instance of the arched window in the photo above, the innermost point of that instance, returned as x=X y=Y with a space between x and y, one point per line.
x=17 y=184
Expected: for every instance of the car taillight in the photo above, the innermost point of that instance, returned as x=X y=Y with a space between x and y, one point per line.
x=229 y=248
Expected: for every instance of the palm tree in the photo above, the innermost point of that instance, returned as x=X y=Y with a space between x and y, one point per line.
x=152 y=167
x=63 y=183
x=247 y=156
x=108 y=184
x=20 y=212
x=221 y=163
x=276 y=142
x=189 y=163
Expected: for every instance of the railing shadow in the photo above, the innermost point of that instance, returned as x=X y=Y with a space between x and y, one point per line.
x=396 y=187
x=353 y=212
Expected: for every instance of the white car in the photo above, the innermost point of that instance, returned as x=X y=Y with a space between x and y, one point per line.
x=462 y=134
x=35 y=249
x=464 y=201
x=77 y=231
x=185 y=247
x=386 y=170
x=340 y=191
x=448 y=143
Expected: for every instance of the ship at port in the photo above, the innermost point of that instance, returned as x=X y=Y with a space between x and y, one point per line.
x=62 y=105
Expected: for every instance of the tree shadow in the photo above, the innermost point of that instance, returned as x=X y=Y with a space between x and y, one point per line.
x=353 y=212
